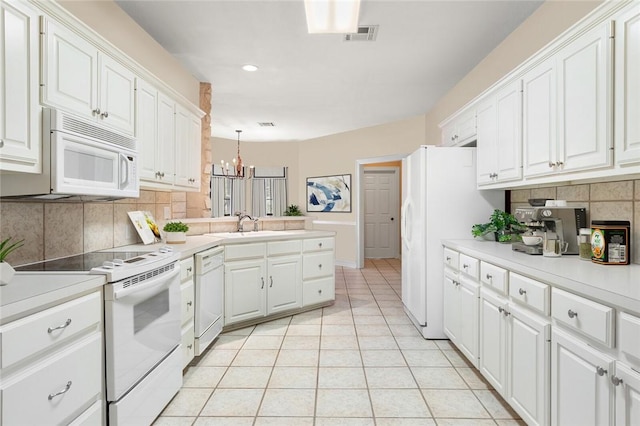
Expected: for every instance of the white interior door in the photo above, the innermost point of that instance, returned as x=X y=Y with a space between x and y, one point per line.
x=381 y=212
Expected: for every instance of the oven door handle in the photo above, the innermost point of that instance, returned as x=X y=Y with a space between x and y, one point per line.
x=149 y=288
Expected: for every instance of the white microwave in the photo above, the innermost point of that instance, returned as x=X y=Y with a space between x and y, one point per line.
x=80 y=159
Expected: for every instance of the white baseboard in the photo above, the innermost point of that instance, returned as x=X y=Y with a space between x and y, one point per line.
x=346 y=264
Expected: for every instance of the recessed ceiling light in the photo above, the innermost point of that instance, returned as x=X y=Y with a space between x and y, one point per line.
x=250 y=68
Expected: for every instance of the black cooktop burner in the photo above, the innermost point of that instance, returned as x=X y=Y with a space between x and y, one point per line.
x=80 y=262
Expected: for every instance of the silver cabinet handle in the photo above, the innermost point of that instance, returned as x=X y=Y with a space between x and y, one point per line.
x=262 y=279
x=96 y=111
x=522 y=292
x=551 y=164
x=105 y=114
x=190 y=345
x=572 y=314
x=61 y=391
x=320 y=291
x=270 y=281
x=465 y=266
x=448 y=258
x=66 y=324
x=500 y=309
x=559 y=163
x=189 y=269
x=616 y=380
x=601 y=371
x=320 y=245
x=189 y=303
x=489 y=276
x=320 y=266
x=1 y=143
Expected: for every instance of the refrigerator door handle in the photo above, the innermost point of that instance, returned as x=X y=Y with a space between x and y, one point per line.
x=405 y=218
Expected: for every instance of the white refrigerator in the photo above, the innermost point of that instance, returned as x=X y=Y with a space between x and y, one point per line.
x=439 y=201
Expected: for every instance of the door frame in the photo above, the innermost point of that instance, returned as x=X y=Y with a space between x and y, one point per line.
x=360 y=200
x=396 y=171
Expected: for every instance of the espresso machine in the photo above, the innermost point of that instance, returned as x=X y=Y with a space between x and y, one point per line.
x=562 y=223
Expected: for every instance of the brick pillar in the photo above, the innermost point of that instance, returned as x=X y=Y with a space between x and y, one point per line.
x=198 y=204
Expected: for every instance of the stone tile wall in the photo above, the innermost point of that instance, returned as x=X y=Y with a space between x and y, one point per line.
x=604 y=201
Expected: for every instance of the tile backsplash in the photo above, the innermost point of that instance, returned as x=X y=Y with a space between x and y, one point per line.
x=56 y=229
x=604 y=201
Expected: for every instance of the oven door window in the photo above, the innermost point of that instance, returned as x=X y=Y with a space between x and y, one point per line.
x=149 y=310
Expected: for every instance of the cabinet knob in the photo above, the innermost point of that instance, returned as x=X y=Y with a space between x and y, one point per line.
x=448 y=258
x=320 y=245
x=572 y=314
x=522 y=292
x=189 y=269
x=551 y=164
x=320 y=291
x=601 y=371
x=616 y=380
x=320 y=266
x=489 y=277
x=190 y=345
x=105 y=114
x=61 y=391
x=189 y=303
x=66 y=324
x=96 y=111
x=465 y=266
x=559 y=163
x=1 y=143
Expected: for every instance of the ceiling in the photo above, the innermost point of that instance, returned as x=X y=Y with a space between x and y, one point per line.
x=312 y=85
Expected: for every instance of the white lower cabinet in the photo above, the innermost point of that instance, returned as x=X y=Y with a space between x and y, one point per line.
x=244 y=283
x=285 y=290
x=627 y=391
x=461 y=313
x=581 y=390
x=187 y=307
x=318 y=270
x=493 y=339
x=52 y=365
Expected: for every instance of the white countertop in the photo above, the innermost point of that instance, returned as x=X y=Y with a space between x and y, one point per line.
x=30 y=292
x=615 y=285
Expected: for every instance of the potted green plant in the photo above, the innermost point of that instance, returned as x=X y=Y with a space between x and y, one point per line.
x=175 y=232
x=502 y=226
x=293 y=210
x=6 y=271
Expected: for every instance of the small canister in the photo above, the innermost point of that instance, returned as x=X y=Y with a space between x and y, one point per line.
x=584 y=243
x=610 y=242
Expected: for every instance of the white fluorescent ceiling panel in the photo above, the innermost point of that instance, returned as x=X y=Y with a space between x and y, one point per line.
x=332 y=16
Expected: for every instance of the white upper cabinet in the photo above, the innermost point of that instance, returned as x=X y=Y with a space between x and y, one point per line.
x=585 y=95
x=539 y=118
x=147 y=129
x=627 y=83
x=187 y=148
x=19 y=108
x=80 y=79
x=460 y=130
x=499 y=135
x=165 y=160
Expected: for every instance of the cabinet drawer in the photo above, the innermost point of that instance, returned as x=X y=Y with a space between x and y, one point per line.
x=27 y=336
x=188 y=305
x=245 y=251
x=318 y=291
x=186 y=269
x=583 y=315
x=315 y=244
x=188 y=350
x=531 y=293
x=494 y=277
x=629 y=339
x=316 y=265
x=451 y=258
x=91 y=416
x=277 y=248
x=30 y=398
x=469 y=265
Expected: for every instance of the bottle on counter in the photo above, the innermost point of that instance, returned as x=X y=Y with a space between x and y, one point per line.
x=584 y=244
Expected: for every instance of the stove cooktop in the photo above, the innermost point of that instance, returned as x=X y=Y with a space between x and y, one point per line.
x=81 y=262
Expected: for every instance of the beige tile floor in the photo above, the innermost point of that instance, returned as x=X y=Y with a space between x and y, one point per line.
x=357 y=362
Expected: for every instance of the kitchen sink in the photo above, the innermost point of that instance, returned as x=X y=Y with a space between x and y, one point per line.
x=251 y=234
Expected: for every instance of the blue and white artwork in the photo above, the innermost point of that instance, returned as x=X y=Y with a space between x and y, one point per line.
x=329 y=194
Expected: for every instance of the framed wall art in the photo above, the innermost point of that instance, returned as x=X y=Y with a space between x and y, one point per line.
x=329 y=194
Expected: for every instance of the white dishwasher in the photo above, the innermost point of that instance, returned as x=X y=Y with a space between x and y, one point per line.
x=209 y=284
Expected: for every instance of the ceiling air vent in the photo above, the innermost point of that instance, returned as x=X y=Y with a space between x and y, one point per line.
x=365 y=33
x=266 y=124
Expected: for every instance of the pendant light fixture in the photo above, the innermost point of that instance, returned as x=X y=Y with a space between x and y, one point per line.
x=238 y=168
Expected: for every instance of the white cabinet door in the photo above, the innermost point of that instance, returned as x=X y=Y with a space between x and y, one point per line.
x=147 y=129
x=509 y=132
x=529 y=353
x=245 y=289
x=117 y=90
x=165 y=159
x=627 y=86
x=627 y=395
x=493 y=339
x=581 y=393
x=451 y=318
x=20 y=143
x=486 y=142
x=469 y=293
x=284 y=283
x=539 y=119
x=585 y=91
x=187 y=152
x=70 y=71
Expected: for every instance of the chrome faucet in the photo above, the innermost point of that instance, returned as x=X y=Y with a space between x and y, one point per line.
x=243 y=216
